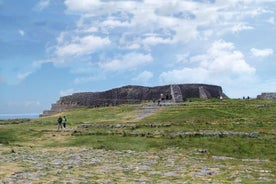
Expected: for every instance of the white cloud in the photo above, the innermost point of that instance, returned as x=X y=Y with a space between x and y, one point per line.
x=182 y=58
x=133 y=46
x=185 y=75
x=271 y=20
x=222 y=57
x=82 y=46
x=42 y=5
x=220 y=64
x=37 y=64
x=83 y=5
x=240 y=27
x=185 y=19
x=67 y=92
x=143 y=77
x=21 y=32
x=261 y=52
x=155 y=40
x=22 y=76
x=116 y=34
x=114 y=23
x=91 y=29
x=127 y=62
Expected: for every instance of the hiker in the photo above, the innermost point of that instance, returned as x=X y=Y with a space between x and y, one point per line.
x=162 y=96
x=158 y=102
x=64 y=121
x=59 y=121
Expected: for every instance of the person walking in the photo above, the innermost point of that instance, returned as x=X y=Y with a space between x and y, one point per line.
x=59 y=121
x=64 y=121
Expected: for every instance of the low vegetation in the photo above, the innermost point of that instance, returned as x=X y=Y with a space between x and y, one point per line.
x=226 y=133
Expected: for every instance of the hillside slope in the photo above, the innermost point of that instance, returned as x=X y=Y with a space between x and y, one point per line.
x=198 y=141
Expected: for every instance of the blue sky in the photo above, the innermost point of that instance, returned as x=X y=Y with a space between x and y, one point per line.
x=52 y=48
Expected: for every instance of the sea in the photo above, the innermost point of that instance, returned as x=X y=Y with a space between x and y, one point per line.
x=18 y=116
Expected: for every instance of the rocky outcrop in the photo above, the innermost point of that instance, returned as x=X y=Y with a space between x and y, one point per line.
x=267 y=96
x=135 y=94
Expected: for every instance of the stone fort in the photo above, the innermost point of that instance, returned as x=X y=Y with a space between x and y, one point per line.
x=131 y=94
x=267 y=96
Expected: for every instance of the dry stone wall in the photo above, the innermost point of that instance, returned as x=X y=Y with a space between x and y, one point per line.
x=135 y=94
x=267 y=96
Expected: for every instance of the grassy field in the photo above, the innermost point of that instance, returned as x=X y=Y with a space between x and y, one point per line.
x=223 y=137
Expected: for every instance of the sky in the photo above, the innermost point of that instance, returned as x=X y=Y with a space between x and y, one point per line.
x=53 y=48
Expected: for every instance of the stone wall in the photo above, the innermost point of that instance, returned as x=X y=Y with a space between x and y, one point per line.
x=267 y=96
x=135 y=94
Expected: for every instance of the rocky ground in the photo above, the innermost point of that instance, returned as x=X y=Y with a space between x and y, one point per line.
x=88 y=165
x=52 y=164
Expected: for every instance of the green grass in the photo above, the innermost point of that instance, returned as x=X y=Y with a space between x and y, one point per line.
x=102 y=114
x=238 y=147
x=246 y=115
x=150 y=133
x=117 y=128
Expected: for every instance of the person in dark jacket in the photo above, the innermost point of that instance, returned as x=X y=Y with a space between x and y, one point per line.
x=59 y=121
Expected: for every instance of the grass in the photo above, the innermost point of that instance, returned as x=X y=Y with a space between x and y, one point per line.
x=102 y=114
x=196 y=115
x=236 y=115
x=117 y=128
x=149 y=133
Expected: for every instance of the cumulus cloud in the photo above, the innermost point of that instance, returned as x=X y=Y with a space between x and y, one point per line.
x=271 y=20
x=181 y=19
x=142 y=25
x=67 y=92
x=221 y=63
x=240 y=27
x=261 y=52
x=42 y=4
x=117 y=34
x=185 y=75
x=81 y=46
x=156 y=40
x=143 y=77
x=127 y=62
x=84 y=5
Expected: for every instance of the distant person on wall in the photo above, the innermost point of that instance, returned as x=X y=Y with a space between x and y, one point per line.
x=64 y=121
x=220 y=98
x=59 y=121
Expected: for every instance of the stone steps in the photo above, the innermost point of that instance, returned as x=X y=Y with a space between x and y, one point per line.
x=176 y=93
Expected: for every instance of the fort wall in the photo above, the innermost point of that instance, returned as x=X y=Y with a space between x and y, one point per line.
x=267 y=96
x=135 y=94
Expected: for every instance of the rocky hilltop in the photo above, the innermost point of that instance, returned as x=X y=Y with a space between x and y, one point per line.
x=135 y=94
